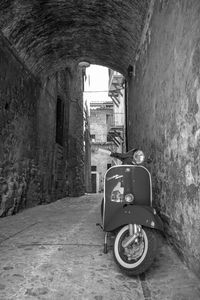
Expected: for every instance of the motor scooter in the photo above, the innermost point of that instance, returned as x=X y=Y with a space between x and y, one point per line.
x=127 y=212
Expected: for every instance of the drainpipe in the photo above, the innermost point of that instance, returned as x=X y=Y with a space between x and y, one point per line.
x=126 y=114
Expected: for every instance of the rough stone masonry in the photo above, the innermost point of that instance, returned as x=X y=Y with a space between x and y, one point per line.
x=34 y=169
x=164 y=118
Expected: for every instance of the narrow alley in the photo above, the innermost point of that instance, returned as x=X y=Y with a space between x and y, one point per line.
x=55 y=252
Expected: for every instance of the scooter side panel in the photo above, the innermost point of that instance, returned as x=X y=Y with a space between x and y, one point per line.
x=126 y=179
x=122 y=180
x=133 y=214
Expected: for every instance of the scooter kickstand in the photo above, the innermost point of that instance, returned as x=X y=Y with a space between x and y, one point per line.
x=98 y=224
x=105 y=250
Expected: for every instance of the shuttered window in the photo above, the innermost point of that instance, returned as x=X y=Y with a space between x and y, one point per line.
x=59 y=121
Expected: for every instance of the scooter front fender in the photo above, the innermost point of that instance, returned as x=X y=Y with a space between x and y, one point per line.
x=133 y=214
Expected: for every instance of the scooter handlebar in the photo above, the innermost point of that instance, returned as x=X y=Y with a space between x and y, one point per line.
x=114 y=154
x=128 y=156
x=120 y=156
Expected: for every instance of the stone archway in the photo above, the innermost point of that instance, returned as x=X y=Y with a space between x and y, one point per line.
x=47 y=40
x=42 y=44
x=52 y=35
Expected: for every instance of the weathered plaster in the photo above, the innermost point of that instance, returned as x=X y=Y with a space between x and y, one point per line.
x=163 y=107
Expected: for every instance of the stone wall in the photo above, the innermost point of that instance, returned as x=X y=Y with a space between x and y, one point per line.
x=101 y=120
x=75 y=177
x=164 y=118
x=46 y=127
x=19 y=174
x=32 y=171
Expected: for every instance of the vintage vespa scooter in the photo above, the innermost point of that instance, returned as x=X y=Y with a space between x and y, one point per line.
x=127 y=211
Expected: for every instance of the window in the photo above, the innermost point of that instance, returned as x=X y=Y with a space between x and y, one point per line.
x=93 y=137
x=108 y=166
x=107 y=119
x=93 y=168
x=109 y=138
x=59 y=121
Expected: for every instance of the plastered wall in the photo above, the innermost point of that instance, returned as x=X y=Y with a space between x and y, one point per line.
x=164 y=118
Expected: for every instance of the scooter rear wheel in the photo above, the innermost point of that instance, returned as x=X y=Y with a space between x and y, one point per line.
x=136 y=258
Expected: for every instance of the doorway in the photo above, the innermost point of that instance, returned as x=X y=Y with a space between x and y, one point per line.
x=94 y=182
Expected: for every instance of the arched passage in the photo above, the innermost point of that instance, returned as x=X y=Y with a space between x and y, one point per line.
x=42 y=43
x=48 y=39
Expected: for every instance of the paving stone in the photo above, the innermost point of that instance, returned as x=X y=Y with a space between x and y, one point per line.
x=57 y=254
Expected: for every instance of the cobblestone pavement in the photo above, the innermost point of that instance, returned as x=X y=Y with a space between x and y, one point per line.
x=55 y=252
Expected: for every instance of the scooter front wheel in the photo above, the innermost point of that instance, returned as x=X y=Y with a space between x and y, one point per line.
x=139 y=255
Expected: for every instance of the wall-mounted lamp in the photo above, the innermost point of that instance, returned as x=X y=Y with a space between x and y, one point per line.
x=130 y=71
x=84 y=64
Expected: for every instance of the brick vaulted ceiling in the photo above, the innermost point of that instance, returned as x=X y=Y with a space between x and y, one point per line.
x=52 y=34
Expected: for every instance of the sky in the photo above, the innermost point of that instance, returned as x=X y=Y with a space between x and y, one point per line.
x=96 y=86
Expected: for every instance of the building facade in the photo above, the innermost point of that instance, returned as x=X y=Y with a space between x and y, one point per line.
x=101 y=120
x=117 y=94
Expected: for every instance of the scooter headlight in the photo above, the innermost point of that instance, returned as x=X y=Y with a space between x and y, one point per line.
x=129 y=198
x=138 y=157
